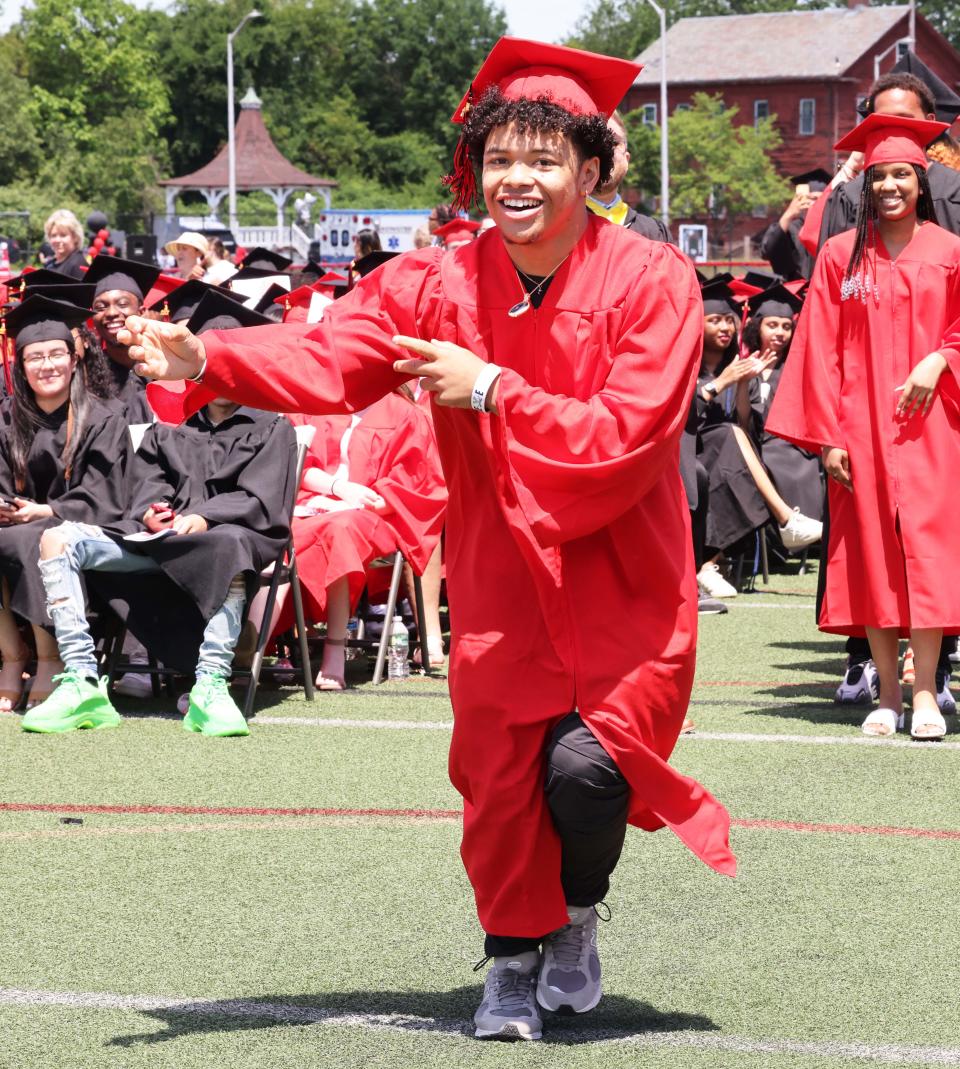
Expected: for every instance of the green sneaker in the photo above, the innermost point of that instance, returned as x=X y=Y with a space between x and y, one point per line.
x=78 y=702
x=212 y=711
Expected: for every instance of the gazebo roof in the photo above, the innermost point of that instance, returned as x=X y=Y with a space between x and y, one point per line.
x=260 y=164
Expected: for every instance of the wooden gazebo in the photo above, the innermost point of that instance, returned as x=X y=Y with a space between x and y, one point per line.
x=260 y=165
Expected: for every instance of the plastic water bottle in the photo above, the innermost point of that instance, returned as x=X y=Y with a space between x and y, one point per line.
x=353 y=633
x=398 y=651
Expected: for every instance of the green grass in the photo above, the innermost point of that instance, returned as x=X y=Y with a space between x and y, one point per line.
x=821 y=939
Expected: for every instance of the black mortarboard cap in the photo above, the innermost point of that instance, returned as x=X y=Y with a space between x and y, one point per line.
x=217 y=311
x=946 y=102
x=253 y=272
x=718 y=299
x=818 y=179
x=78 y=293
x=312 y=268
x=43 y=276
x=113 y=273
x=41 y=318
x=266 y=260
x=372 y=261
x=762 y=280
x=182 y=302
x=775 y=301
x=269 y=298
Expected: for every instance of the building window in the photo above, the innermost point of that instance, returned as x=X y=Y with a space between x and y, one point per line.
x=684 y=107
x=903 y=47
x=808 y=117
x=649 y=114
x=761 y=110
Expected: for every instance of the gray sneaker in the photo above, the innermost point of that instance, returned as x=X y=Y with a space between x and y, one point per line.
x=570 y=970
x=509 y=1007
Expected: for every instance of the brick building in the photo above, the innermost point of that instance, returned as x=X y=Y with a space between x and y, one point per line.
x=808 y=69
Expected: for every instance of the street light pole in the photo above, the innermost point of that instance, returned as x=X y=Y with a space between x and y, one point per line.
x=231 y=145
x=664 y=135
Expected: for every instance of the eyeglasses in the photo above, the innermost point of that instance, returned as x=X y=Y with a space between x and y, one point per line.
x=58 y=356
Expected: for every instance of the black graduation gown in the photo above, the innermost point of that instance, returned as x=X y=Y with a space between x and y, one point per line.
x=96 y=491
x=794 y=471
x=840 y=213
x=647 y=225
x=238 y=475
x=74 y=266
x=736 y=505
x=131 y=393
x=783 y=251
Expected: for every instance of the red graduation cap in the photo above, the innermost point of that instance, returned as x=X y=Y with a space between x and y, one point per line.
x=892 y=139
x=331 y=280
x=457 y=230
x=162 y=287
x=584 y=83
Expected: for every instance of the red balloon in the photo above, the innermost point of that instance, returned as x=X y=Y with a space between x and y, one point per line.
x=103 y=235
x=98 y=243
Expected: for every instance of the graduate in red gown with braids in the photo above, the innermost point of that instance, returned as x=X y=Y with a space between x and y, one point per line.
x=872 y=382
x=562 y=353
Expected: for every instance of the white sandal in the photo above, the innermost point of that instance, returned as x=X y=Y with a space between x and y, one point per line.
x=927 y=724
x=882 y=722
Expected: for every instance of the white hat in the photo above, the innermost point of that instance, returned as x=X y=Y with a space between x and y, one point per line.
x=192 y=240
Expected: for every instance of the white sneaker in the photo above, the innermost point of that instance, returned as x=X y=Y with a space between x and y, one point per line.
x=800 y=531
x=860 y=685
x=132 y=685
x=945 y=700
x=711 y=582
x=509 y=1008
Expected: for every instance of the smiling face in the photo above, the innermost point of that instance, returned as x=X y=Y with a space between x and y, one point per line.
x=48 y=368
x=535 y=186
x=187 y=258
x=110 y=310
x=719 y=331
x=895 y=190
x=775 y=333
x=62 y=241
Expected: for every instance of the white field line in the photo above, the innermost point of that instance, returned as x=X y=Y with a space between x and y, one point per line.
x=706 y=736
x=288 y=1013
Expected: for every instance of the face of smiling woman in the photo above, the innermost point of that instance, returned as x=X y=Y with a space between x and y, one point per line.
x=48 y=367
x=535 y=187
x=895 y=190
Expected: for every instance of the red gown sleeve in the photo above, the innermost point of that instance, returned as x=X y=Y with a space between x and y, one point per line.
x=809 y=233
x=805 y=410
x=410 y=480
x=574 y=465
x=341 y=364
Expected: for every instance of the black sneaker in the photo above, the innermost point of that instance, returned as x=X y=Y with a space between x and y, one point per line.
x=948 y=706
x=860 y=685
x=708 y=606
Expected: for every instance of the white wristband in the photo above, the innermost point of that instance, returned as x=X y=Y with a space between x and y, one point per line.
x=486 y=378
x=199 y=375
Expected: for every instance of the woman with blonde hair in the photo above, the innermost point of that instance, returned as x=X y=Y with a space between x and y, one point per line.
x=64 y=234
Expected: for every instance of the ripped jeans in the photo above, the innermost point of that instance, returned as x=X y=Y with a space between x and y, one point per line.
x=87 y=548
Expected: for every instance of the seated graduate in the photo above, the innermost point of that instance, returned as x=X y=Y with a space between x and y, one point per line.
x=216 y=495
x=372 y=484
x=119 y=290
x=729 y=412
x=63 y=456
x=795 y=473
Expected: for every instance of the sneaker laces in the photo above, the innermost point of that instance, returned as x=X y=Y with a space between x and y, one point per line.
x=566 y=945
x=514 y=989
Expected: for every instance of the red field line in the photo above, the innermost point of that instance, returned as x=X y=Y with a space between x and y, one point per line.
x=443 y=814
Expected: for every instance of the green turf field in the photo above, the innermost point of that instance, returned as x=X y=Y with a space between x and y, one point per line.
x=218 y=938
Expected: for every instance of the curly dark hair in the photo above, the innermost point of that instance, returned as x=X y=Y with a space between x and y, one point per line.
x=751 y=337
x=95 y=365
x=909 y=83
x=588 y=133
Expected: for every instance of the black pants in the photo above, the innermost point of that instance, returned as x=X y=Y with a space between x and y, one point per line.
x=588 y=799
x=698 y=516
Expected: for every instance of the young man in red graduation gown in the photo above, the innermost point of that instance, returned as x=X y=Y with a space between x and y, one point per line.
x=562 y=353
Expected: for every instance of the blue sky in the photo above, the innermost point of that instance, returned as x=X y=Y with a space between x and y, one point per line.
x=537 y=19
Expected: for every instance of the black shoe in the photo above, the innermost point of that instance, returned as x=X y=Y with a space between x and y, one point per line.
x=708 y=606
x=945 y=702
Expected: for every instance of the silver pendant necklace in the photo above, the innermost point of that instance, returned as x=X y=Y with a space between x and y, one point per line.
x=522 y=307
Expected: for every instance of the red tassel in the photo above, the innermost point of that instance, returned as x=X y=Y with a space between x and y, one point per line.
x=462 y=181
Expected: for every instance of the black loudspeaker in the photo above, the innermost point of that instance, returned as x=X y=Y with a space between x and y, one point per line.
x=142 y=247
